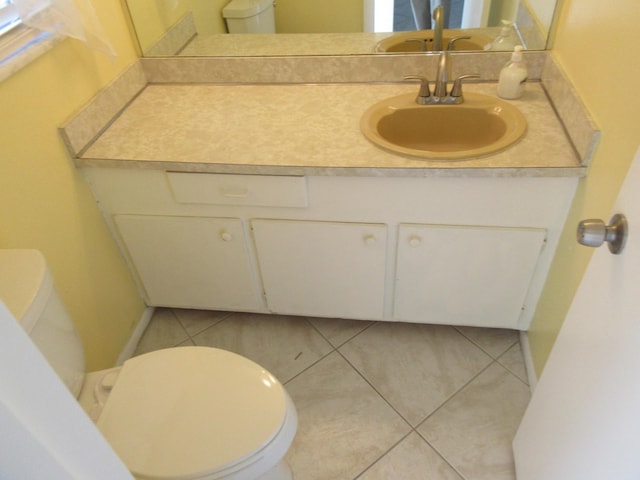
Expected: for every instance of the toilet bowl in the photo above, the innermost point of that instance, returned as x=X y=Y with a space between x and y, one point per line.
x=183 y=413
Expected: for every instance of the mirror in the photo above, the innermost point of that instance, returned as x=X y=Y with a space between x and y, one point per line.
x=335 y=27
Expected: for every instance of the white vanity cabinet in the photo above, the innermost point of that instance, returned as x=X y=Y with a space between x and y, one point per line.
x=464 y=275
x=327 y=269
x=448 y=250
x=191 y=262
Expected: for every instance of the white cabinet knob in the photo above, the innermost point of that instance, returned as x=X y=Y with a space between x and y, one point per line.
x=415 y=241
x=226 y=236
x=370 y=239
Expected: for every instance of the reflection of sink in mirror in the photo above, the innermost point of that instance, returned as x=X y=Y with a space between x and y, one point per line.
x=402 y=42
x=480 y=126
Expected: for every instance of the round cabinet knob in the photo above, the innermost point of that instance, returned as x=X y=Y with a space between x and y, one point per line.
x=370 y=239
x=415 y=241
x=226 y=236
x=594 y=232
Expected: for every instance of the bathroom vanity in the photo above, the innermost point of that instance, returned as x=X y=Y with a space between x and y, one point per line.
x=267 y=198
x=464 y=251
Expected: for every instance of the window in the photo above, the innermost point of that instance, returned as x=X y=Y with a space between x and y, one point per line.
x=8 y=16
x=28 y=28
x=19 y=43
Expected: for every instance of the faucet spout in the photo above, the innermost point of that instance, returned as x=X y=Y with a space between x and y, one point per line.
x=442 y=75
x=438 y=25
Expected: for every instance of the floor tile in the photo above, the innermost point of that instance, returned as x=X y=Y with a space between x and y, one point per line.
x=164 y=331
x=187 y=343
x=474 y=430
x=412 y=458
x=347 y=430
x=415 y=367
x=195 y=321
x=338 y=330
x=284 y=345
x=513 y=361
x=494 y=341
x=343 y=424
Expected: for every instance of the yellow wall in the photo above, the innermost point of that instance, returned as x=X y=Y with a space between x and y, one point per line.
x=152 y=18
x=311 y=16
x=47 y=205
x=208 y=16
x=598 y=45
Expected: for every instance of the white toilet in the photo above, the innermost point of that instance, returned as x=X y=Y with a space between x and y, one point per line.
x=250 y=16
x=195 y=413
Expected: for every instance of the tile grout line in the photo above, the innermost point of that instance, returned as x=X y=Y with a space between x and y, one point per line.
x=453 y=395
x=480 y=347
x=441 y=455
x=225 y=317
x=368 y=467
x=333 y=348
x=512 y=372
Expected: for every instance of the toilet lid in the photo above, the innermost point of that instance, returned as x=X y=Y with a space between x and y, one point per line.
x=187 y=411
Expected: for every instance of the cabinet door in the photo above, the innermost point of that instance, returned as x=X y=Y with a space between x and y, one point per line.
x=475 y=276
x=322 y=268
x=191 y=262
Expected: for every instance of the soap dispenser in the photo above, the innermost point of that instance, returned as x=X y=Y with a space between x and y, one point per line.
x=512 y=76
x=503 y=42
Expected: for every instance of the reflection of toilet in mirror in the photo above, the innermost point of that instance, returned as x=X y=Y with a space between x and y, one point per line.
x=250 y=16
x=177 y=413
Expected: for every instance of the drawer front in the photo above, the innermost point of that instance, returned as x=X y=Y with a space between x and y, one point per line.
x=256 y=190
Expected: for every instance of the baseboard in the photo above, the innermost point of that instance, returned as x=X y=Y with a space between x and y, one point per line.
x=131 y=345
x=528 y=361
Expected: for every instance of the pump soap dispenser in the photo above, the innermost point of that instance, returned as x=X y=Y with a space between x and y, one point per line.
x=505 y=41
x=512 y=76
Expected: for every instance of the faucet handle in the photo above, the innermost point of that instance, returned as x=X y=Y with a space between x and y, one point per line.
x=451 y=44
x=456 y=91
x=424 y=93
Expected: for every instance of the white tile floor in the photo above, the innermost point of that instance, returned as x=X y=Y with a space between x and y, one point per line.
x=377 y=400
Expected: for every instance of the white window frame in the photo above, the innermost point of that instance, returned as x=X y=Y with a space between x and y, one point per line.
x=9 y=17
x=19 y=44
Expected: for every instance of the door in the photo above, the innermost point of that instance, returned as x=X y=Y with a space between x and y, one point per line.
x=191 y=262
x=45 y=432
x=324 y=269
x=583 y=421
x=464 y=275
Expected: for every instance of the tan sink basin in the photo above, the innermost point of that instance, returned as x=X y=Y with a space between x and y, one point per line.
x=398 y=42
x=480 y=126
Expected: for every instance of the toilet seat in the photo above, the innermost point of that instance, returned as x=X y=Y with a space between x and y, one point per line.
x=168 y=415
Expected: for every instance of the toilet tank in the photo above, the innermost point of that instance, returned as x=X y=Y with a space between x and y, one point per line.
x=26 y=288
x=250 y=16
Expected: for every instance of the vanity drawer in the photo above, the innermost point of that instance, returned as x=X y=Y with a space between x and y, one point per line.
x=223 y=189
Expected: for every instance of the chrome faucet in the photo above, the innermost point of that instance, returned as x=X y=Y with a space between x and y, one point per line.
x=441 y=95
x=438 y=25
x=442 y=75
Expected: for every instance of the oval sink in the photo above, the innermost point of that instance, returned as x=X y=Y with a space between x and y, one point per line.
x=480 y=126
x=399 y=43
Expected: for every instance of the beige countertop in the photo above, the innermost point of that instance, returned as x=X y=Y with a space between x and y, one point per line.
x=304 y=130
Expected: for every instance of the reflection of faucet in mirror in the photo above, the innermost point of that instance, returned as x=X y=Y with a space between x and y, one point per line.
x=438 y=27
x=437 y=40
